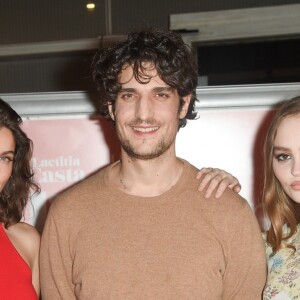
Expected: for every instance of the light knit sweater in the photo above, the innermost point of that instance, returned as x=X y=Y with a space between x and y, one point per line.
x=101 y=243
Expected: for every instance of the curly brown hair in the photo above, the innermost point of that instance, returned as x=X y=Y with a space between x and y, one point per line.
x=16 y=192
x=172 y=58
x=278 y=206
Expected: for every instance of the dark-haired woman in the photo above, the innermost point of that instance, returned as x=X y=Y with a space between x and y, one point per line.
x=19 y=241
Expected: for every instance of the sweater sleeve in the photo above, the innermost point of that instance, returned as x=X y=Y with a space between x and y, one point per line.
x=55 y=263
x=245 y=274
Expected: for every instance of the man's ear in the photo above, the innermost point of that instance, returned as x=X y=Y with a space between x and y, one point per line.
x=111 y=111
x=185 y=106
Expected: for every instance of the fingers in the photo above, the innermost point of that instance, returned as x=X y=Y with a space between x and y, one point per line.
x=206 y=175
x=216 y=180
x=203 y=171
x=226 y=183
x=237 y=188
x=218 y=184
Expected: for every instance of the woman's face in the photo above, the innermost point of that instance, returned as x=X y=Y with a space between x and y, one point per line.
x=7 y=152
x=286 y=156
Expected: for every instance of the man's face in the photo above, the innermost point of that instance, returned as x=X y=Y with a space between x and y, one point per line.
x=147 y=115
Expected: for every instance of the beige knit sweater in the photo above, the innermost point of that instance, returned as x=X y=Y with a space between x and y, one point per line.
x=100 y=243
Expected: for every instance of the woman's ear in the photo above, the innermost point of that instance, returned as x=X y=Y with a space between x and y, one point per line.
x=111 y=111
x=185 y=106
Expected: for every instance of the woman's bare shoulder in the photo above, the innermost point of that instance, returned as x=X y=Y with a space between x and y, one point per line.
x=26 y=233
x=26 y=240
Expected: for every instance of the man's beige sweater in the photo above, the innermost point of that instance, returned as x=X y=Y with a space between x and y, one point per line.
x=101 y=243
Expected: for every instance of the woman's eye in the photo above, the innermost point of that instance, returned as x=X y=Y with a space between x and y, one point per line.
x=282 y=157
x=5 y=159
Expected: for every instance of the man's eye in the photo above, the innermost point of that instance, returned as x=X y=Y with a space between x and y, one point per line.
x=162 y=95
x=127 y=96
x=282 y=157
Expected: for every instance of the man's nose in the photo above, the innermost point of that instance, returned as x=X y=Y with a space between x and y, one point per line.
x=144 y=108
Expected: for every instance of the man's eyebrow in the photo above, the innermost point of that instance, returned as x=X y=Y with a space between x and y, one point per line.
x=155 y=89
x=130 y=90
x=163 y=89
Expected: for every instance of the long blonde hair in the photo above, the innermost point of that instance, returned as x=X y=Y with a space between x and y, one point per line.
x=278 y=206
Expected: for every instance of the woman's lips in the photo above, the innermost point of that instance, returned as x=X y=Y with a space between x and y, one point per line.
x=296 y=185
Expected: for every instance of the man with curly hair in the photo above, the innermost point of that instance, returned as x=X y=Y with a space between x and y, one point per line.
x=139 y=229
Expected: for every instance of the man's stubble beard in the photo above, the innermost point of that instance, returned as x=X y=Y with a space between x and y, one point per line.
x=132 y=152
x=159 y=149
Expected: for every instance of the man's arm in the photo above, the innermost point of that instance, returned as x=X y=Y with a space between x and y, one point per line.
x=246 y=269
x=245 y=274
x=55 y=263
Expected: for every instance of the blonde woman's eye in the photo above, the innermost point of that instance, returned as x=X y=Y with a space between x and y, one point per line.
x=282 y=157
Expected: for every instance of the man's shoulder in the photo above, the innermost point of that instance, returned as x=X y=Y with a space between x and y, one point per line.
x=232 y=203
x=80 y=193
x=229 y=205
x=233 y=211
x=229 y=198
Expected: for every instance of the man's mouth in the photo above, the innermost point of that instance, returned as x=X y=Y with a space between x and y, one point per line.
x=145 y=129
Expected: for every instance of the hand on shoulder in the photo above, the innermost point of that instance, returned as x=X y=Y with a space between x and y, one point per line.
x=216 y=180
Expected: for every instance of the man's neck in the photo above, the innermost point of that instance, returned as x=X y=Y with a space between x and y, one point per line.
x=147 y=178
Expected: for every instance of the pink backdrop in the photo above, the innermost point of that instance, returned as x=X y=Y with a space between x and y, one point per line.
x=66 y=150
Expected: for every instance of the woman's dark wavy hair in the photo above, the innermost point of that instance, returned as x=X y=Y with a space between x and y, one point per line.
x=16 y=192
x=172 y=58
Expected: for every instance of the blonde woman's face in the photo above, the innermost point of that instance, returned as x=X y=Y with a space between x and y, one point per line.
x=7 y=150
x=286 y=156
